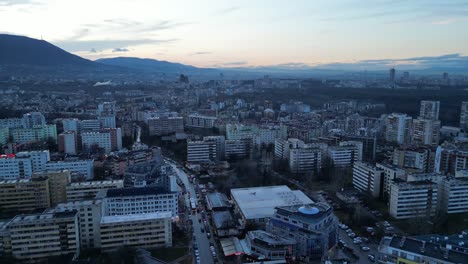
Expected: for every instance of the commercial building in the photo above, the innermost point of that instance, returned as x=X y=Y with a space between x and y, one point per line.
x=413 y=199
x=312 y=226
x=257 y=204
x=368 y=178
x=305 y=160
x=142 y=200
x=24 y=195
x=12 y=168
x=266 y=246
x=165 y=125
x=149 y=230
x=89 y=220
x=200 y=121
x=426 y=132
x=453 y=193
x=68 y=143
x=429 y=110
x=38 y=237
x=399 y=249
x=58 y=181
x=81 y=167
x=78 y=191
x=398 y=128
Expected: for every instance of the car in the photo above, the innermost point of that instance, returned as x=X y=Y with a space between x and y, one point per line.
x=357 y=242
x=371 y=257
x=211 y=244
x=370 y=229
x=389 y=228
x=197 y=253
x=212 y=248
x=202 y=230
x=208 y=234
x=199 y=220
x=386 y=223
x=365 y=248
x=349 y=230
x=352 y=235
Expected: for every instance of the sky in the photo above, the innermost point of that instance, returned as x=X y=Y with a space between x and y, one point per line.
x=210 y=33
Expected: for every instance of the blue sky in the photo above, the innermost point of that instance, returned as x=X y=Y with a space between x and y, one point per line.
x=246 y=33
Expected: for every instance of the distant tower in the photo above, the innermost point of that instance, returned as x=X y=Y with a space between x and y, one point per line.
x=464 y=116
x=429 y=110
x=406 y=75
x=445 y=77
x=392 y=74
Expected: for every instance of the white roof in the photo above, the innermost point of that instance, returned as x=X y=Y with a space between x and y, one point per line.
x=260 y=202
x=134 y=217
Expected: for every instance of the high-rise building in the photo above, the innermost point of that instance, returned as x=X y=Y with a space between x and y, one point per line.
x=67 y=143
x=429 y=110
x=368 y=178
x=453 y=193
x=392 y=74
x=201 y=151
x=37 y=237
x=398 y=128
x=413 y=199
x=464 y=116
x=426 y=132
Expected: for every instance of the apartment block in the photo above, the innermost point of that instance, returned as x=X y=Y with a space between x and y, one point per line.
x=78 y=191
x=24 y=195
x=413 y=199
x=58 y=181
x=368 y=178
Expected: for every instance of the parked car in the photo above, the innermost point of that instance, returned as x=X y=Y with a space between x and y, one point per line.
x=365 y=248
x=371 y=257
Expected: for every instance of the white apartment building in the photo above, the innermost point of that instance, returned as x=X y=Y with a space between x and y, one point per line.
x=413 y=199
x=220 y=142
x=429 y=110
x=463 y=116
x=81 y=167
x=303 y=160
x=200 y=121
x=37 y=133
x=4 y=135
x=413 y=158
x=141 y=200
x=149 y=230
x=453 y=193
x=201 y=151
x=107 y=121
x=368 y=178
x=68 y=143
x=40 y=236
x=78 y=191
x=12 y=168
x=391 y=172
x=71 y=124
x=283 y=146
x=342 y=156
x=89 y=220
x=398 y=128
x=108 y=139
x=90 y=125
x=11 y=123
x=426 y=131
x=38 y=158
x=165 y=125
x=358 y=148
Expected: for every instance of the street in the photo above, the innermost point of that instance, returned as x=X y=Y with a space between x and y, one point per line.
x=201 y=239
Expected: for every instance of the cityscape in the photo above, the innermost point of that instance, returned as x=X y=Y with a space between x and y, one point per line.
x=112 y=153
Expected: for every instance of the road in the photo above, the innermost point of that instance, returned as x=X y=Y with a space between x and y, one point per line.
x=200 y=238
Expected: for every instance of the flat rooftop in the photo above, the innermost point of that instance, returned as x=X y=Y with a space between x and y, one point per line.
x=260 y=202
x=93 y=183
x=122 y=192
x=217 y=200
x=110 y=219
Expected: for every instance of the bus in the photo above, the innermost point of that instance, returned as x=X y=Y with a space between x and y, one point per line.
x=193 y=205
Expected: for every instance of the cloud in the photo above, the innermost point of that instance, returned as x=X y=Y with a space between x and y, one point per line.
x=93 y=50
x=85 y=45
x=228 y=10
x=120 y=50
x=16 y=2
x=230 y=64
x=80 y=33
x=201 y=53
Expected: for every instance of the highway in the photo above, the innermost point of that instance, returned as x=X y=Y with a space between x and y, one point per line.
x=201 y=239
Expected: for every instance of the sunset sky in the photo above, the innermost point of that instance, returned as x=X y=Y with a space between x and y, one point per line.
x=245 y=33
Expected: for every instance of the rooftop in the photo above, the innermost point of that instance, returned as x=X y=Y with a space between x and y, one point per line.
x=135 y=191
x=260 y=202
x=134 y=217
x=216 y=200
x=91 y=183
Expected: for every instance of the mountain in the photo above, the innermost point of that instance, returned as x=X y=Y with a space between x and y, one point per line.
x=150 y=65
x=19 y=50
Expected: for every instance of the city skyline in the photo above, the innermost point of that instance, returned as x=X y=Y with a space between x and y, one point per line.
x=339 y=34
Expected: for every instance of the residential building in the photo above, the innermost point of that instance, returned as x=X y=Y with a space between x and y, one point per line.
x=220 y=142
x=38 y=237
x=237 y=149
x=413 y=199
x=37 y=133
x=33 y=119
x=463 y=116
x=413 y=158
x=201 y=151
x=391 y=172
x=453 y=193
x=75 y=166
x=426 y=132
x=342 y=156
x=305 y=160
x=141 y=200
x=429 y=110
x=90 y=125
x=398 y=128
x=283 y=146
x=312 y=226
x=12 y=168
x=24 y=195
x=58 y=181
x=4 y=135
x=148 y=230
x=237 y=132
x=165 y=125
x=266 y=246
x=257 y=204
x=71 y=124
x=107 y=121
x=89 y=220
x=450 y=158
x=38 y=158
x=67 y=143
x=200 y=121
x=368 y=178
x=78 y=191
x=110 y=139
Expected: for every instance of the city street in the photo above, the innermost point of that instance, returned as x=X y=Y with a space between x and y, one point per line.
x=201 y=239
